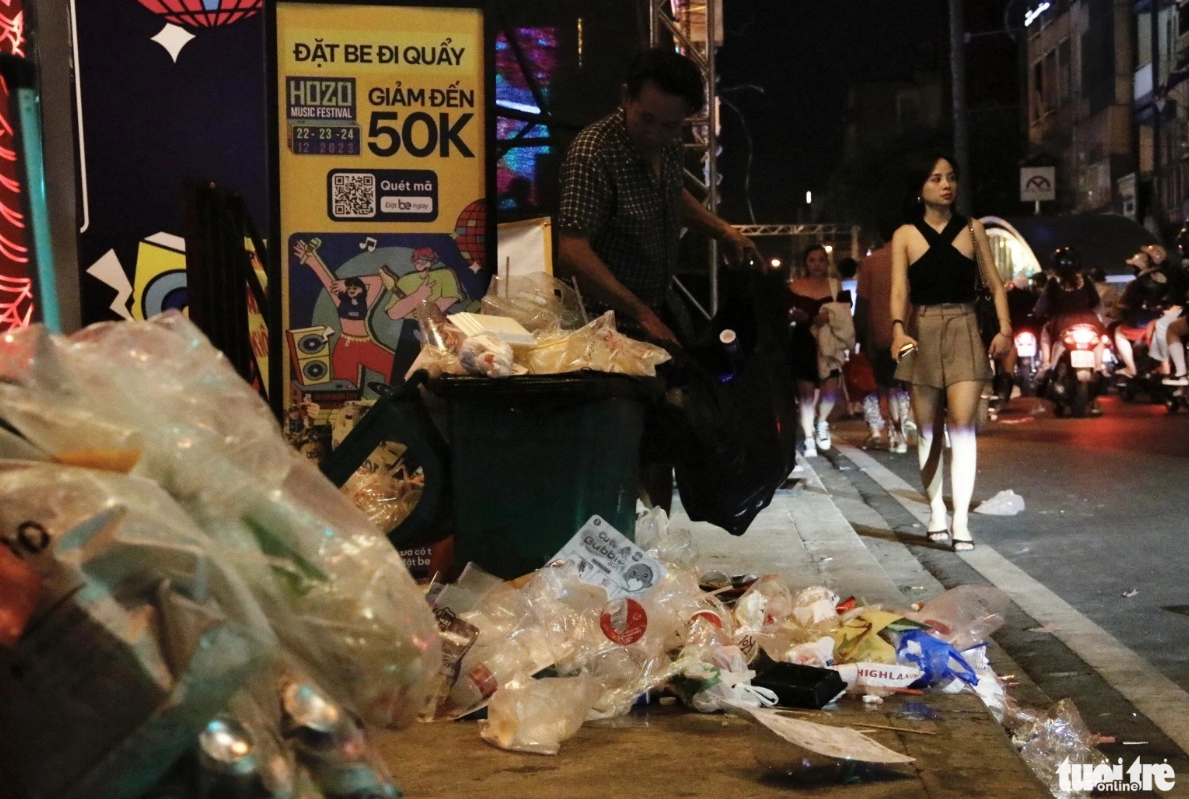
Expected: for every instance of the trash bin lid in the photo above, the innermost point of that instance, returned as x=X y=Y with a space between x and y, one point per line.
x=588 y=385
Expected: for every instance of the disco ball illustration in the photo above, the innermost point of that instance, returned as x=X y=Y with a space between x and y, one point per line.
x=203 y=13
x=470 y=233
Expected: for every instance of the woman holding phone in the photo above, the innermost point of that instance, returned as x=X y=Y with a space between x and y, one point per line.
x=938 y=350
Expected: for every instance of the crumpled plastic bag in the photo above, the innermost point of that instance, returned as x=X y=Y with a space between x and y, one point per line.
x=1046 y=740
x=964 y=616
x=597 y=346
x=720 y=682
x=819 y=653
x=145 y=629
x=816 y=606
x=537 y=715
x=539 y=302
x=760 y=610
x=335 y=592
x=486 y=356
x=1005 y=503
x=673 y=546
x=938 y=661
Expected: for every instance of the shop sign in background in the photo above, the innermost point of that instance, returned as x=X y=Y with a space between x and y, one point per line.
x=382 y=178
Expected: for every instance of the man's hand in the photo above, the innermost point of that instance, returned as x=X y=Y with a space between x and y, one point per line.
x=655 y=329
x=739 y=247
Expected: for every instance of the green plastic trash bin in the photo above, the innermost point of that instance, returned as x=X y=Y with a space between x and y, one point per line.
x=534 y=457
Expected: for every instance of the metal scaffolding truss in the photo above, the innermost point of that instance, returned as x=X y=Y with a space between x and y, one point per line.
x=823 y=231
x=694 y=28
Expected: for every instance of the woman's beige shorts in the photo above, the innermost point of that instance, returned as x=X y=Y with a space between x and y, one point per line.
x=949 y=348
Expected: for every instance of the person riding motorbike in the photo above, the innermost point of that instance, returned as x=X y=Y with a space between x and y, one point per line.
x=1068 y=299
x=1022 y=295
x=1143 y=302
x=1171 y=329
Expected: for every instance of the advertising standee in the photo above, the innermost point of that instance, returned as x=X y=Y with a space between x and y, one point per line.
x=382 y=183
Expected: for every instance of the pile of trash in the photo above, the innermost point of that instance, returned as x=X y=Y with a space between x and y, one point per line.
x=189 y=608
x=610 y=622
x=533 y=324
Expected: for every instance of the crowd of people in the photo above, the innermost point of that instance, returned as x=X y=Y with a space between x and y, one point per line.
x=931 y=325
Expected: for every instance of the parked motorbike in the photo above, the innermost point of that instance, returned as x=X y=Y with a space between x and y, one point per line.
x=1072 y=383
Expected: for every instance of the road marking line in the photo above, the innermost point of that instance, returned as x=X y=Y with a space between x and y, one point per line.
x=1164 y=702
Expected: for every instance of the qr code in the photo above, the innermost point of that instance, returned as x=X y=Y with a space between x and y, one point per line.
x=353 y=196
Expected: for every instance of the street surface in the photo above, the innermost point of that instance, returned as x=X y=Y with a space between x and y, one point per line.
x=1105 y=517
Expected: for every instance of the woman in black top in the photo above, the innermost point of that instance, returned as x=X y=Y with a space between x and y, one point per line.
x=938 y=350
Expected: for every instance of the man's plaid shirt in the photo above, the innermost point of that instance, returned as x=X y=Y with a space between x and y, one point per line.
x=630 y=214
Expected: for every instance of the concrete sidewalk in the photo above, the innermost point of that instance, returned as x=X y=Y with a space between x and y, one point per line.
x=662 y=751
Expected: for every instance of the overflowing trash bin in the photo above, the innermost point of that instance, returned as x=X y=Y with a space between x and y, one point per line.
x=534 y=457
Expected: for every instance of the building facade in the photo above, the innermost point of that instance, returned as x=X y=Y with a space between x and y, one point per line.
x=1079 y=73
x=1161 y=112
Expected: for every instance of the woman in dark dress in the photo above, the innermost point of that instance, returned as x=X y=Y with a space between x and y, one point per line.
x=809 y=292
x=938 y=350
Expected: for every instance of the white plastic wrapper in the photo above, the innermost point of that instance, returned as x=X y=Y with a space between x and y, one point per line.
x=1005 y=503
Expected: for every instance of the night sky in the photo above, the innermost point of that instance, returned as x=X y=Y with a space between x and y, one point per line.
x=805 y=54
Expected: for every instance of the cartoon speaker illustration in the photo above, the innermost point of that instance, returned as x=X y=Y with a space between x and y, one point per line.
x=309 y=352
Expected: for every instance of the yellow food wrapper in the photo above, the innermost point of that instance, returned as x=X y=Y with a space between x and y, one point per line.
x=858 y=641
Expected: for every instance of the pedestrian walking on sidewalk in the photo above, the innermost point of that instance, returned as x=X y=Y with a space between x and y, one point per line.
x=812 y=291
x=873 y=330
x=938 y=350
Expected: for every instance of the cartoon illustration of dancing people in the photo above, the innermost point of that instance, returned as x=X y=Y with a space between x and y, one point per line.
x=354 y=298
x=430 y=281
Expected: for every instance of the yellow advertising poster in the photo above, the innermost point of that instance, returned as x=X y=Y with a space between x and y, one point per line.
x=382 y=186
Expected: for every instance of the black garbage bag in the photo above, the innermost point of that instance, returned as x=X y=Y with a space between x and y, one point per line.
x=739 y=414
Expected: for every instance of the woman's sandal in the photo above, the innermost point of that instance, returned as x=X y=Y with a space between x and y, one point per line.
x=962 y=545
x=939 y=536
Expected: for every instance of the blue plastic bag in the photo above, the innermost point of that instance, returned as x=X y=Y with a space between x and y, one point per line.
x=939 y=661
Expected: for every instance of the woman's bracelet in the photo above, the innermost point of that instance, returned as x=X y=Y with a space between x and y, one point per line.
x=897 y=322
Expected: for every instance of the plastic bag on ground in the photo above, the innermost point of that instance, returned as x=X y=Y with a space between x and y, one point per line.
x=816 y=606
x=964 y=616
x=335 y=591
x=537 y=715
x=1046 y=740
x=719 y=682
x=1005 y=503
x=938 y=661
x=673 y=546
x=760 y=610
x=134 y=596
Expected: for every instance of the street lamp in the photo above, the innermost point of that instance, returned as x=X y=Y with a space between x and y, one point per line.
x=775 y=263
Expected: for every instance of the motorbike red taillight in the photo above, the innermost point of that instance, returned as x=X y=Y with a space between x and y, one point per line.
x=1081 y=336
x=1025 y=339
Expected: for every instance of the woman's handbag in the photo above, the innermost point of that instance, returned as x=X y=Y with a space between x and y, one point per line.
x=860 y=377
x=984 y=301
